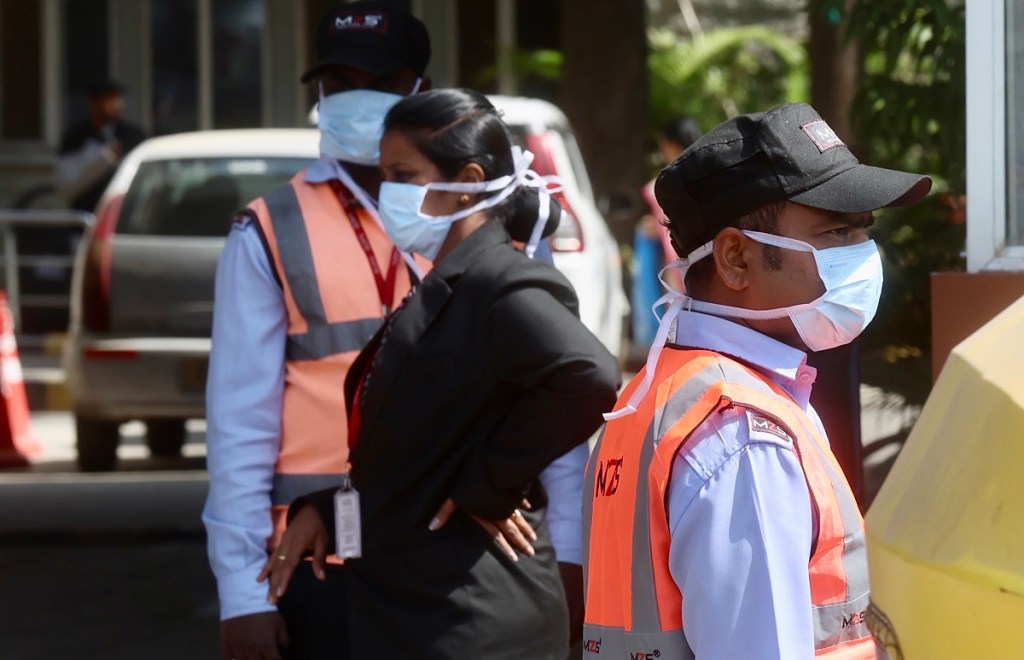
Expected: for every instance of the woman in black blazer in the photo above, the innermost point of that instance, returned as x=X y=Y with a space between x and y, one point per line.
x=474 y=385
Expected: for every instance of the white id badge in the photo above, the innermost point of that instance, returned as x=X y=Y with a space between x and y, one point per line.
x=348 y=538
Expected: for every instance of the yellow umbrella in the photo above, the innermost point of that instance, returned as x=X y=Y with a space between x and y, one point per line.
x=946 y=531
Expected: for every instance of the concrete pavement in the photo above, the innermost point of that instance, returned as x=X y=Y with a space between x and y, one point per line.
x=106 y=566
x=113 y=566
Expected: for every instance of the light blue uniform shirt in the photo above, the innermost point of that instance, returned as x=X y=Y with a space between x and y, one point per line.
x=244 y=395
x=740 y=514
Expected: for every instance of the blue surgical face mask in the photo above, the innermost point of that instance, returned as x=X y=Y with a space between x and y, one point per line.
x=401 y=207
x=852 y=276
x=410 y=230
x=352 y=124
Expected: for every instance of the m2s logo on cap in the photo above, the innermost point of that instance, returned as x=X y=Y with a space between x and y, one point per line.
x=822 y=135
x=370 y=21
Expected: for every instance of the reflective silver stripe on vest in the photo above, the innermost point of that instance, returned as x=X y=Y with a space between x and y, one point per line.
x=322 y=339
x=288 y=487
x=589 y=479
x=855 y=557
x=645 y=599
x=841 y=622
x=615 y=643
x=295 y=253
x=646 y=636
x=832 y=626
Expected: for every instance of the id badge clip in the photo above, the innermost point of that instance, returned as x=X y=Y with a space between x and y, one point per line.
x=348 y=538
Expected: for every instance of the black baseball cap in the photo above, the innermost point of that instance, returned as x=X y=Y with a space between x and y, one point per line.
x=785 y=154
x=377 y=37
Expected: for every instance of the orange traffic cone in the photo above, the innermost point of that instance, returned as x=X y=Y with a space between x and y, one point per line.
x=17 y=444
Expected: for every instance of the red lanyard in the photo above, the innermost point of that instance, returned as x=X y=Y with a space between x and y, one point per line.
x=355 y=413
x=385 y=287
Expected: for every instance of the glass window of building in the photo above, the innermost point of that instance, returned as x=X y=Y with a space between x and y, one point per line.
x=175 y=92
x=995 y=135
x=85 y=35
x=21 y=71
x=237 y=58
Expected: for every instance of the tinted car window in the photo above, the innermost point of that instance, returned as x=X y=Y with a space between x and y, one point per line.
x=198 y=196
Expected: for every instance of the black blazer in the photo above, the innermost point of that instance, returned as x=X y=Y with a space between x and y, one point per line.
x=485 y=377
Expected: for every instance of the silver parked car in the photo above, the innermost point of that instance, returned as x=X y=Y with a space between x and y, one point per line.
x=142 y=297
x=142 y=293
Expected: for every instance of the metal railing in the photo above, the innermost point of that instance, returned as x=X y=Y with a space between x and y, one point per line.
x=60 y=257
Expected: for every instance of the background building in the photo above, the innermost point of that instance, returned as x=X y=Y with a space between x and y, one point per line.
x=210 y=64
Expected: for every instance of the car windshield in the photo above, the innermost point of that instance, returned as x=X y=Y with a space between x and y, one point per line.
x=198 y=196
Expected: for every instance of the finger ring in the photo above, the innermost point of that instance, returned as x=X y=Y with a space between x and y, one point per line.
x=282 y=557
x=517 y=514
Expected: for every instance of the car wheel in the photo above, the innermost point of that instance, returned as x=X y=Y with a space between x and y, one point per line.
x=165 y=437
x=97 y=441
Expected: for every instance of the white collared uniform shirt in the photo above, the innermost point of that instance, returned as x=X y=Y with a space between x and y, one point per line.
x=244 y=392
x=740 y=513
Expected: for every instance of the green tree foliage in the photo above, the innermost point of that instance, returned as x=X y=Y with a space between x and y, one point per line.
x=724 y=72
x=710 y=77
x=909 y=114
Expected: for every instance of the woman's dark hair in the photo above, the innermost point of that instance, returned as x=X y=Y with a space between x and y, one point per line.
x=456 y=127
x=684 y=131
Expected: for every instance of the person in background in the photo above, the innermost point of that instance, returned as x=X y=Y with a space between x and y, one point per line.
x=481 y=379
x=675 y=137
x=737 y=534
x=90 y=151
x=651 y=246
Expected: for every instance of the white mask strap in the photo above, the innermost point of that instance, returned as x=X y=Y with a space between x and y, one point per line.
x=543 y=213
x=700 y=253
x=675 y=303
x=679 y=265
x=545 y=185
x=505 y=186
x=521 y=165
x=682 y=265
x=416 y=87
x=779 y=241
x=749 y=314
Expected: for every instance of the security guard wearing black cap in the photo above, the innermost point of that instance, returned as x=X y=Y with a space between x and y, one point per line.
x=275 y=401
x=736 y=533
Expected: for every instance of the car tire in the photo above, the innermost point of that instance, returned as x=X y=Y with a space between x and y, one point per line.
x=96 y=441
x=165 y=437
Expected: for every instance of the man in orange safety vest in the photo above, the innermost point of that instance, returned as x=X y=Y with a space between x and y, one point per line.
x=719 y=523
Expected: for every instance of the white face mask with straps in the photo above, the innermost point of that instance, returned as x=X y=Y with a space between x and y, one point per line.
x=401 y=206
x=351 y=123
x=852 y=276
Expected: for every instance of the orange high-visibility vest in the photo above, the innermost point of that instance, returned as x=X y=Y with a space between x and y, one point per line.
x=633 y=605
x=334 y=308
